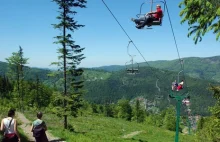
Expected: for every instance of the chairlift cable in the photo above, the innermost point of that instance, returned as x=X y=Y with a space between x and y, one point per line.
x=177 y=49
x=182 y=66
x=128 y=36
x=131 y=41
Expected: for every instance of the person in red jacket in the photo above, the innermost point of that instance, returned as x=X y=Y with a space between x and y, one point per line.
x=148 y=18
x=180 y=86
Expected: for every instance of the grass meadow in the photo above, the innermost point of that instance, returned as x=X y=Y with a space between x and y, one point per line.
x=95 y=128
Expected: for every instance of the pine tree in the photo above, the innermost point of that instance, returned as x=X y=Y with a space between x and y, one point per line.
x=37 y=94
x=69 y=56
x=109 y=110
x=138 y=112
x=124 y=109
x=170 y=119
x=16 y=72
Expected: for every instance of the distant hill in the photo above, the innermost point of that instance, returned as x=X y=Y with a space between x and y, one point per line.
x=203 y=68
x=30 y=73
x=120 y=85
x=107 y=87
x=42 y=73
x=110 y=68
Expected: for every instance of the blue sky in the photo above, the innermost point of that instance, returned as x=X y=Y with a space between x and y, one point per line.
x=28 y=23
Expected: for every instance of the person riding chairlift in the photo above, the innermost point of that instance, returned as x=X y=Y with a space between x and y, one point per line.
x=180 y=86
x=148 y=18
x=186 y=101
x=174 y=85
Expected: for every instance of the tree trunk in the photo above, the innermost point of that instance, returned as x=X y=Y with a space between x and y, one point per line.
x=64 y=66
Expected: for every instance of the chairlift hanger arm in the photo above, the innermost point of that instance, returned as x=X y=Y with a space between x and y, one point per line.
x=164 y=7
x=128 y=48
x=128 y=36
x=179 y=75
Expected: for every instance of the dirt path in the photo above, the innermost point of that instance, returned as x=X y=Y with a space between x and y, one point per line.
x=132 y=134
x=26 y=127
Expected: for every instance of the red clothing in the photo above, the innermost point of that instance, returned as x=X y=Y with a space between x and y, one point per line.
x=179 y=87
x=158 y=14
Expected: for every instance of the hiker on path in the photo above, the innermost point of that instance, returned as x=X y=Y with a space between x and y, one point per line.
x=39 y=129
x=9 y=127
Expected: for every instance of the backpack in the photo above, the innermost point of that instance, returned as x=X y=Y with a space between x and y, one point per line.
x=39 y=130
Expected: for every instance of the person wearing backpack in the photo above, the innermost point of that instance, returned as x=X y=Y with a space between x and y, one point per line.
x=39 y=129
x=9 y=127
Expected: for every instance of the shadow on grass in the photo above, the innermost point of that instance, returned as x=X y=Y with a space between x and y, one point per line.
x=139 y=140
x=80 y=132
x=24 y=138
x=58 y=140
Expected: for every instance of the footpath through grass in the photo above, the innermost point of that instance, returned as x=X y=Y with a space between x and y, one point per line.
x=102 y=129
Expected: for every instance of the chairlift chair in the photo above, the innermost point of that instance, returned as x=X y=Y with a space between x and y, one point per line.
x=183 y=92
x=132 y=70
x=156 y=22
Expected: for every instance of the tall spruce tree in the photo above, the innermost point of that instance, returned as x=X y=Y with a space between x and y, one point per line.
x=124 y=109
x=16 y=72
x=70 y=55
x=138 y=112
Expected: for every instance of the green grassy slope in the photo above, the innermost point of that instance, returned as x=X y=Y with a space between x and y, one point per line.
x=92 y=74
x=92 y=128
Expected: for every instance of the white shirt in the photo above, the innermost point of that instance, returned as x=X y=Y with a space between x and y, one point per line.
x=8 y=130
x=181 y=83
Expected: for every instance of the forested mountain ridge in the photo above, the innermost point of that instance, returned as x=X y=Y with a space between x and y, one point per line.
x=32 y=72
x=203 y=68
x=107 y=87
x=121 y=85
x=110 y=68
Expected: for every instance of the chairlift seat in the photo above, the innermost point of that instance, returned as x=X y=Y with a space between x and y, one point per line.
x=157 y=22
x=132 y=71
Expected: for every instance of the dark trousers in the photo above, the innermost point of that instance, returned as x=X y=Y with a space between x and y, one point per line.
x=42 y=138
x=146 y=20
